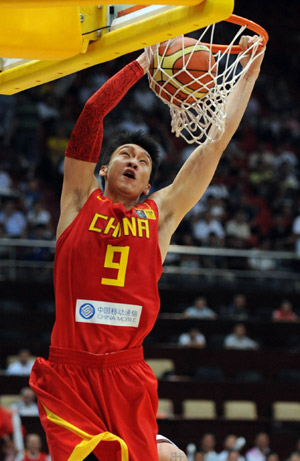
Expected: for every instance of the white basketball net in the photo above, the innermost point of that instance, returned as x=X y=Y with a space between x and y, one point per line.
x=193 y=120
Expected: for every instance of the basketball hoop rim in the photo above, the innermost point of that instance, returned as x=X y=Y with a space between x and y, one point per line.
x=240 y=21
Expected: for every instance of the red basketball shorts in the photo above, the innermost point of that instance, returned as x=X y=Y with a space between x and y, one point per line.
x=105 y=404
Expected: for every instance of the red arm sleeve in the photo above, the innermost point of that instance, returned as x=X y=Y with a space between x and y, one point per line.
x=86 y=138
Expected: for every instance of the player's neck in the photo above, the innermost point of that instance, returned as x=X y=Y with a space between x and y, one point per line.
x=128 y=202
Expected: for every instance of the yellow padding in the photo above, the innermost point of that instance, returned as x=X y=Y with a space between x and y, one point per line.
x=89 y=442
x=40 y=33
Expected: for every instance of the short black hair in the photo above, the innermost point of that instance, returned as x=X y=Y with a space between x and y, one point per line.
x=139 y=138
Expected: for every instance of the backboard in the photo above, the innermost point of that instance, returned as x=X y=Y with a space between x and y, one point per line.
x=43 y=40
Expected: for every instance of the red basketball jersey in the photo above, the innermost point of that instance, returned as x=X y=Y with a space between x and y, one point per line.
x=107 y=267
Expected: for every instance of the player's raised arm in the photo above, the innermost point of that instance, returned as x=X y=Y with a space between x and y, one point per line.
x=195 y=175
x=86 y=140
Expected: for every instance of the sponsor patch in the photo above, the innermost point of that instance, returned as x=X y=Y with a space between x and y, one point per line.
x=106 y=313
x=145 y=214
x=150 y=214
x=141 y=214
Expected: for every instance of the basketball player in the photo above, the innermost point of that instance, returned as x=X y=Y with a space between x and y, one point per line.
x=97 y=396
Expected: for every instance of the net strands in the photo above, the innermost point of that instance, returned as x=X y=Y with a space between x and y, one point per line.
x=198 y=120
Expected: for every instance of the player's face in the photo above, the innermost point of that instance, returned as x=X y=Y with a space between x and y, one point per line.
x=128 y=171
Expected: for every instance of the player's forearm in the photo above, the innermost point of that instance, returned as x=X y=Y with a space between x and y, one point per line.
x=86 y=139
x=236 y=105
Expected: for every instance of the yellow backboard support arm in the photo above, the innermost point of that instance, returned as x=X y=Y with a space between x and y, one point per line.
x=38 y=33
x=160 y=27
x=59 y=3
x=48 y=33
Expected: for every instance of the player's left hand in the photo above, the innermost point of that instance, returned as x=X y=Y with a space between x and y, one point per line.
x=253 y=44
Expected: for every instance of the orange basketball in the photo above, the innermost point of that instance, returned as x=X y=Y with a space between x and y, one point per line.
x=174 y=69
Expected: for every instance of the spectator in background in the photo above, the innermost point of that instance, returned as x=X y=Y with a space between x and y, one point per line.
x=233 y=455
x=191 y=452
x=294 y=456
x=237 y=310
x=33 y=449
x=200 y=310
x=238 y=232
x=14 y=221
x=239 y=339
x=261 y=448
x=207 y=446
x=205 y=226
x=285 y=313
x=273 y=456
x=22 y=366
x=232 y=443
x=215 y=206
x=27 y=405
x=193 y=338
x=39 y=215
x=199 y=456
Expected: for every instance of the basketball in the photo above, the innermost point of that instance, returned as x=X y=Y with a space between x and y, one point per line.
x=179 y=71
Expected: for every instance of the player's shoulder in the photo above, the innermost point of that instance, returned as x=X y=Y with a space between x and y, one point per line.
x=161 y=197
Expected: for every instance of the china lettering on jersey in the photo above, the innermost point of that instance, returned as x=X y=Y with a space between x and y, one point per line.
x=110 y=225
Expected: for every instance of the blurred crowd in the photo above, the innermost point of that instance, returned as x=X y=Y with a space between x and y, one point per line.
x=238 y=314
x=233 y=449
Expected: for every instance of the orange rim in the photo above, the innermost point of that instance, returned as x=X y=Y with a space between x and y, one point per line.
x=238 y=20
